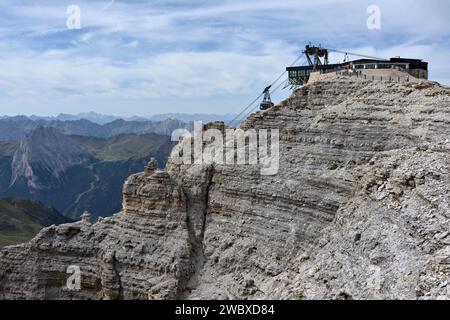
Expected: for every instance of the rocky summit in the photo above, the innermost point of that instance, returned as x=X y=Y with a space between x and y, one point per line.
x=359 y=209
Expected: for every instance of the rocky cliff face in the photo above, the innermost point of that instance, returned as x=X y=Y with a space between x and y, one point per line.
x=45 y=154
x=358 y=209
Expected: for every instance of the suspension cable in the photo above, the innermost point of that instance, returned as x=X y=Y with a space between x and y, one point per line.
x=253 y=109
x=257 y=99
x=356 y=54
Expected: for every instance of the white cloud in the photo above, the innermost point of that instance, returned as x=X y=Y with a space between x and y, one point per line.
x=178 y=74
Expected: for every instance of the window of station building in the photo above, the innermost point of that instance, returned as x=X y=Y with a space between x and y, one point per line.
x=384 y=66
x=402 y=66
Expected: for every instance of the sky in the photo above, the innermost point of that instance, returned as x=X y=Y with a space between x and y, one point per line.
x=139 y=57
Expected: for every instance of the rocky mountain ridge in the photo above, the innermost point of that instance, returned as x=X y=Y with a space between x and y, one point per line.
x=358 y=210
x=105 y=118
x=15 y=128
x=48 y=151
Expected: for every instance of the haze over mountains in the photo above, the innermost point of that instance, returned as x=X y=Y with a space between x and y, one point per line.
x=13 y=128
x=104 y=118
x=186 y=117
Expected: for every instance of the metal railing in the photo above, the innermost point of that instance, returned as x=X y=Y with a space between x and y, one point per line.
x=359 y=74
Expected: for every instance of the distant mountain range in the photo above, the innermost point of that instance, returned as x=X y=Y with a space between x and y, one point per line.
x=104 y=119
x=14 y=128
x=22 y=219
x=79 y=162
x=73 y=173
x=185 y=117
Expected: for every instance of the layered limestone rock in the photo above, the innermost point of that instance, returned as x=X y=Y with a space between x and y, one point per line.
x=143 y=252
x=358 y=209
x=391 y=240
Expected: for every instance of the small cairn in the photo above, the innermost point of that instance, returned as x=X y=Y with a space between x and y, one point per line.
x=151 y=166
x=86 y=217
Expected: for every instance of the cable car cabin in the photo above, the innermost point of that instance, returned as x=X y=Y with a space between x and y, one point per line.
x=266 y=105
x=267 y=102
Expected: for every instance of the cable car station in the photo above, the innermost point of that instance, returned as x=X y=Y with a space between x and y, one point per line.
x=317 y=58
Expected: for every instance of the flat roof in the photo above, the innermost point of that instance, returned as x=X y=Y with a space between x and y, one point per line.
x=414 y=64
x=321 y=66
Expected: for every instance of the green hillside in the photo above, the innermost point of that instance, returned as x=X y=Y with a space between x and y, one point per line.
x=125 y=146
x=21 y=220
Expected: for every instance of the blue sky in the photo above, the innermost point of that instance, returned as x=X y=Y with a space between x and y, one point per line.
x=147 y=57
